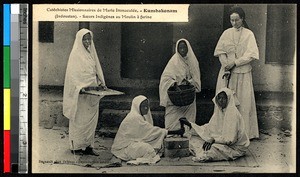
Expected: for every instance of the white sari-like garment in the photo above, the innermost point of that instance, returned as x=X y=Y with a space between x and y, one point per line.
x=137 y=138
x=177 y=69
x=239 y=45
x=227 y=128
x=82 y=110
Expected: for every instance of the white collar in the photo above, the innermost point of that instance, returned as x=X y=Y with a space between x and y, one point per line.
x=238 y=29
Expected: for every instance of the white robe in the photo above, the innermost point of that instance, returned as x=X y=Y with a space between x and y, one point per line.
x=83 y=70
x=240 y=46
x=177 y=69
x=137 y=137
x=227 y=128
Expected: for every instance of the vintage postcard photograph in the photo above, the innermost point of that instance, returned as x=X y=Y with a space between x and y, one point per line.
x=164 y=88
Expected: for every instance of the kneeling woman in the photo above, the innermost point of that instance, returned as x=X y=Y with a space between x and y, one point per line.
x=137 y=137
x=224 y=137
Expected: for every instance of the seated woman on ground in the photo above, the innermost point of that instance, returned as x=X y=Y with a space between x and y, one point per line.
x=137 y=137
x=224 y=137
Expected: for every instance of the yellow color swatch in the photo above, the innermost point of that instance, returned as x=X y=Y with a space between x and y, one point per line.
x=6 y=109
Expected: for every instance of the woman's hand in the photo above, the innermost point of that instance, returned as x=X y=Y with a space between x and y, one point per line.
x=184 y=121
x=192 y=82
x=82 y=91
x=175 y=85
x=181 y=131
x=185 y=82
x=226 y=74
x=103 y=86
x=207 y=144
x=230 y=66
x=228 y=143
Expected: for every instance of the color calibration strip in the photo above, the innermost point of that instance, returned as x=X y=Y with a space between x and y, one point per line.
x=15 y=87
x=6 y=87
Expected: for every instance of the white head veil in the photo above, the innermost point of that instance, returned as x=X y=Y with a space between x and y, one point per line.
x=223 y=120
x=176 y=70
x=135 y=109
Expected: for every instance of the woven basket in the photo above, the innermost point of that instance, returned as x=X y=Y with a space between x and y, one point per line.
x=183 y=97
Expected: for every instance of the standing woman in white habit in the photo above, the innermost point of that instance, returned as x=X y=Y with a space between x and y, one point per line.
x=236 y=49
x=82 y=110
x=182 y=67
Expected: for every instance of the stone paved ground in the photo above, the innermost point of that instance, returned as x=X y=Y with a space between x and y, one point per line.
x=273 y=152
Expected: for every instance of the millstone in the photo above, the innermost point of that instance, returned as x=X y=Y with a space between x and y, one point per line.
x=176 y=147
x=176 y=143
